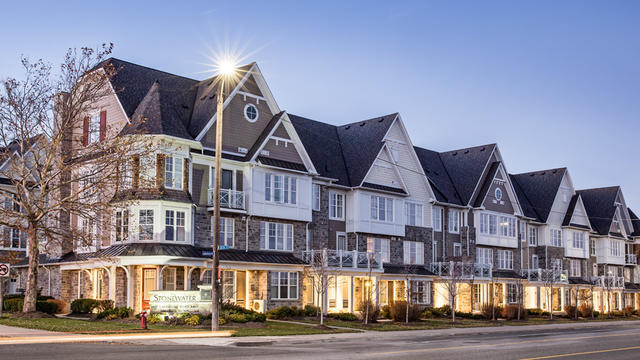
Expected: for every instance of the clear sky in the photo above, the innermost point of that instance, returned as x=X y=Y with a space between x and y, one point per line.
x=554 y=83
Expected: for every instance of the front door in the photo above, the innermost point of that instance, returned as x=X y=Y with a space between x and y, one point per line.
x=148 y=284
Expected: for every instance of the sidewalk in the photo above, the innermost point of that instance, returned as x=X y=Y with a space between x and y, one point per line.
x=18 y=332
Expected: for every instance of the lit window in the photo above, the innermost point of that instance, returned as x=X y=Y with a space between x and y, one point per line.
x=413 y=252
x=512 y=293
x=336 y=206
x=381 y=208
x=420 y=293
x=173 y=172
x=413 y=214
x=276 y=236
x=251 y=113
x=145 y=225
x=284 y=285
x=379 y=246
x=228 y=288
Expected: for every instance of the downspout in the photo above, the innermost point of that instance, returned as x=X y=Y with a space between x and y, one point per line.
x=308 y=236
x=246 y=234
x=443 y=236
x=467 y=235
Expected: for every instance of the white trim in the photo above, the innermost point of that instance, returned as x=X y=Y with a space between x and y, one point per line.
x=246 y=94
x=244 y=112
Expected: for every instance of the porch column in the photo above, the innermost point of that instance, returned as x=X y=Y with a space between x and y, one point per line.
x=131 y=285
x=112 y=283
x=351 y=295
x=375 y=293
x=79 y=283
x=247 y=288
x=160 y=278
x=185 y=285
x=325 y=295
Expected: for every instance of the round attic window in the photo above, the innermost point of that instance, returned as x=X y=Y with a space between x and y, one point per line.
x=498 y=194
x=251 y=113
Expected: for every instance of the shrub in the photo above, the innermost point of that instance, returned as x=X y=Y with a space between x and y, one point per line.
x=83 y=306
x=238 y=317
x=221 y=321
x=596 y=313
x=59 y=303
x=571 y=311
x=464 y=315
x=399 y=311
x=616 y=313
x=258 y=317
x=284 y=312
x=46 y=307
x=231 y=307
x=444 y=310
x=155 y=318
x=311 y=310
x=490 y=312
x=585 y=310
x=193 y=320
x=510 y=312
x=13 y=305
x=374 y=310
x=115 y=313
x=385 y=312
x=102 y=305
x=427 y=313
x=344 y=316
x=628 y=311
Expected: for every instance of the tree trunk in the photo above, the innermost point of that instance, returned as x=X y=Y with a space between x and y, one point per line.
x=551 y=303
x=31 y=290
x=407 y=307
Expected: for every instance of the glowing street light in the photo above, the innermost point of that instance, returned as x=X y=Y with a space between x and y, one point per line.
x=226 y=70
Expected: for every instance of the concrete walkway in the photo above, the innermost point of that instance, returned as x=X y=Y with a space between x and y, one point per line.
x=12 y=332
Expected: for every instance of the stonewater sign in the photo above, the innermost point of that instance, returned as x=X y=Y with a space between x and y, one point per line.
x=180 y=301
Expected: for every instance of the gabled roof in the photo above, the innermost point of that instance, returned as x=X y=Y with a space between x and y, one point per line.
x=600 y=206
x=491 y=174
x=635 y=222
x=438 y=176
x=570 y=210
x=275 y=119
x=466 y=167
x=539 y=188
x=527 y=208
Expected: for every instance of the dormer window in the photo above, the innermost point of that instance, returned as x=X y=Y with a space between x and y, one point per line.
x=251 y=113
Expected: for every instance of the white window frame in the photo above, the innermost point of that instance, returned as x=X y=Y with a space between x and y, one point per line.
x=489 y=223
x=533 y=236
x=336 y=205
x=281 y=233
x=505 y=259
x=454 y=221
x=122 y=224
x=173 y=176
x=512 y=293
x=507 y=226
x=413 y=213
x=436 y=218
x=535 y=261
x=593 y=247
x=384 y=204
x=575 y=268
x=246 y=108
x=484 y=256
x=280 y=279
x=578 y=240
x=228 y=285
x=498 y=194
x=176 y=217
x=420 y=292
x=555 y=237
x=279 y=188
x=457 y=249
x=413 y=252
x=615 y=248
x=342 y=242
x=227 y=233
x=381 y=245
x=316 y=197
x=149 y=214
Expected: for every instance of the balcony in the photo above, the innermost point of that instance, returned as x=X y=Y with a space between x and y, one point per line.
x=609 y=282
x=344 y=259
x=546 y=275
x=631 y=259
x=229 y=199
x=462 y=270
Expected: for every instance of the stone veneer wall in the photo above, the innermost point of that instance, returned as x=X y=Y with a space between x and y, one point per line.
x=121 y=287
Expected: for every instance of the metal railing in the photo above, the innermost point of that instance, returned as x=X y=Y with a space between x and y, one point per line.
x=631 y=259
x=230 y=199
x=464 y=270
x=546 y=275
x=344 y=258
x=609 y=282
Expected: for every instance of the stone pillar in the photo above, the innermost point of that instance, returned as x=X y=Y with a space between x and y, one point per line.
x=187 y=283
x=112 y=284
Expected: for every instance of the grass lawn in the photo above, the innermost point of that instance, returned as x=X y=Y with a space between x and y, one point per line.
x=115 y=327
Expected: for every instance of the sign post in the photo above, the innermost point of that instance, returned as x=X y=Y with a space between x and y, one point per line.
x=4 y=272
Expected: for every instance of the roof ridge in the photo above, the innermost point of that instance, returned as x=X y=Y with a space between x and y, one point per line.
x=371 y=119
x=150 y=68
x=344 y=161
x=468 y=148
x=564 y=168
x=601 y=188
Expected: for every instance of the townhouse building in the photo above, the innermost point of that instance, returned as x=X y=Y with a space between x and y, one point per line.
x=386 y=218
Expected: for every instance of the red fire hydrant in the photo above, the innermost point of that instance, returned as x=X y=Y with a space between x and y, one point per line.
x=143 y=320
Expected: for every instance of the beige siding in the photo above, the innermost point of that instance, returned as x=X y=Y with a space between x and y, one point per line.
x=282 y=151
x=382 y=172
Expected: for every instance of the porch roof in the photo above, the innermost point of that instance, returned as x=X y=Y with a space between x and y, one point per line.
x=401 y=269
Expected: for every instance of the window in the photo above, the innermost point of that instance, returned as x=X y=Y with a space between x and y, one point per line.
x=377 y=245
x=174 y=225
x=122 y=225
x=413 y=214
x=170 y=279
x=147 y=170
x=498 y=194
x=88 y=229
x=173 y=172
x=145 y=225
x=381 y=208
x=457 y=249
x=420 y=292
x=578 y=240
x=251 y=113
x=228 y=286
x=226 y=231
x=488 y=224
x=341 y=241
x=316 y=197
x=575 y=268
x=535 y=263
x=206 y=277
x=284 y=285
x=336 y=206
x=592 y=247
x=523 y=231
x=556 y=264
x=124 y=173
x=533 y=236
x=413 y=252
x=94 y=128
x=276 y=236
x=454 y=221
x=555 y=237
x=616 y=248
x=505 y=259
x=512 y=293
x=484 y=256
x=280 y=188
x=436 y=218
x=507 y=226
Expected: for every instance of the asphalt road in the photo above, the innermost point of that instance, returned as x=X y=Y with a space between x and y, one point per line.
x=611 y=342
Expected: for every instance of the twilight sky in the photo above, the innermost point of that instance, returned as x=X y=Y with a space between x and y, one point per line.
x=554 y=83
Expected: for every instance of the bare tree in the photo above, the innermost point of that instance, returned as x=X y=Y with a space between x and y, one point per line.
x=451 y=283
x=321 y=274
x=548 y=279
x=369 y=290
x=43 y=120
x=408 y=270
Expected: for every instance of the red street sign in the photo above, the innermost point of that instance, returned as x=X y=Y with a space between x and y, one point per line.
x=4 y=270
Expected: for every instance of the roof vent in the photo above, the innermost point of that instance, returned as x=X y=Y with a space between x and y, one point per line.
x=542 y=173
x=554 y=171
x=381 y=120
x=362 y=124
x=347 y=127
x=455 y=153
x=466 y=151
x=482 y=149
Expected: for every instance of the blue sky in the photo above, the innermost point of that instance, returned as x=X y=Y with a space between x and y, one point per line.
x=554 y=83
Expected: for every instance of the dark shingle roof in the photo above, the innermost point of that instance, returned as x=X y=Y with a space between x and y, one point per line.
x=540 y=189
x=488 y=181
x=465 y=167
x=403 y=270
x=438 y=176
x=508 y=274
x=527 y=209
x=383 y=188
x=635 y=222
x=281 y=163
x=600 y=206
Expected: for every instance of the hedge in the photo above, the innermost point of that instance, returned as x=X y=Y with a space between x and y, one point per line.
x=16 y=304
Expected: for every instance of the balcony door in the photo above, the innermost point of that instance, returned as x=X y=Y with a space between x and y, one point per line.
x=227 y=179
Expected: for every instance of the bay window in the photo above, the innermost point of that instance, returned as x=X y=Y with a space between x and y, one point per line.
x=507 y=226
x=578 y=240
x=505 y=259
x=145 y=225
x=336 y=206
x=173 y=172
x=615 y=248
x=488 y=224
x=280 y=188
x=174 y=225
x=412 y=214
x=413 y=252
x=378 y=245
x=284 y=285
x=454 y=221
x=276 y=236
x=381 y=208
x=555 y=237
